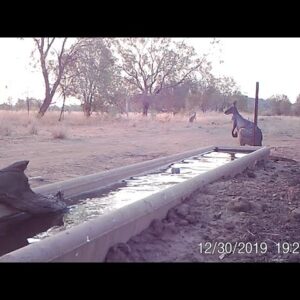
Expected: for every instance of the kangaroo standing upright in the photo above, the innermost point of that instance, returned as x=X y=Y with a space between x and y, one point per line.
x=192 y=117
x=244 y=128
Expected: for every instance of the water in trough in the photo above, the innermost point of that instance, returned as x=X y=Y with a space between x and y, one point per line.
x=123 y=193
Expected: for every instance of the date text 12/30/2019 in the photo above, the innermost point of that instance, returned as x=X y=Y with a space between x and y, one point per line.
x=248 y=247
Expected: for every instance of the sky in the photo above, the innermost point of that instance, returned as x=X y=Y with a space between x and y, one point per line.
x=273 y=62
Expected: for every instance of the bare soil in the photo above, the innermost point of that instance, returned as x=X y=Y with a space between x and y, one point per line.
x=97 y=144
x=254 y=217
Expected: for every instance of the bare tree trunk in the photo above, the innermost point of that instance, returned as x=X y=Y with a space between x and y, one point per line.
x=145 y=109
x=146 y=103
x=127 y=106
x=44 y=107
x=27 y=102
x=87 y=109
x=62 y=109
x=87 y=113
x=44 y=45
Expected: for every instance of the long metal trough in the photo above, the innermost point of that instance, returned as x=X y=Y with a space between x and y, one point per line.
x=90 y=241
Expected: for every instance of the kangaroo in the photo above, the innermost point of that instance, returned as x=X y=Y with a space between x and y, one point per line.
x=15 y=191
x=244 y=128
x=192 y=118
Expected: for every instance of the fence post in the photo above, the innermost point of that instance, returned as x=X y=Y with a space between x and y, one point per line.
x=255 y=111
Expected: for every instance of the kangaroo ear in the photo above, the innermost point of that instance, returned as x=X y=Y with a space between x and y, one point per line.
x=19 y=166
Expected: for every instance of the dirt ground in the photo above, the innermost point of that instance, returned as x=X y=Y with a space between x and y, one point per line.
x=96 y=145
x=259 y=207
x=254 y=217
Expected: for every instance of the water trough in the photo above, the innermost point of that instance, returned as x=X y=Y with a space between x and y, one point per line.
x=90 y=240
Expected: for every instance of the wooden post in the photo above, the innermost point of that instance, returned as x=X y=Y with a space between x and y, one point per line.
x=28 y=107
x=255 y=111
x=126 y=105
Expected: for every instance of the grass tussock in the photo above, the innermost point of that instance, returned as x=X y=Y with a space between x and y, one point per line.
x=59 y=132
x=33 y=129
x=5 y=130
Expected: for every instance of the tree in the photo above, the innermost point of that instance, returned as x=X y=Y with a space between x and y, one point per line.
x=241 y=100
x=5 y=106
x=228 y=91
x=65 y=88
x=280 y=104
x=151 y=65
x=93 y=75
x=296 y=106
x=53 y=62
x=10 y=102
x=21 y=104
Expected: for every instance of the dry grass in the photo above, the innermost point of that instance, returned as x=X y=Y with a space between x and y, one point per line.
x=280 y=125
x=5 y=130
x=20 y=124
x=33 y=128
x=79 y=146
x=59 y=132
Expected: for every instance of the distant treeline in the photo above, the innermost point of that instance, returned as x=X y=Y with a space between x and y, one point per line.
x=32 y=104
x=183 y=98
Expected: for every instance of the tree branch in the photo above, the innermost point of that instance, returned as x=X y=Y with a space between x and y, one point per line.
x=49 y=46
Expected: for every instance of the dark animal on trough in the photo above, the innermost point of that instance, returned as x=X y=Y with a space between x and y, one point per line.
x=16 y=192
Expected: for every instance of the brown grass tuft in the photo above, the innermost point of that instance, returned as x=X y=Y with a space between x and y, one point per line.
x=59 y=132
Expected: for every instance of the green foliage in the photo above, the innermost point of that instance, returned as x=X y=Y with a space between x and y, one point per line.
x=92 y=77
x=127 y=74
x=152 y=64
